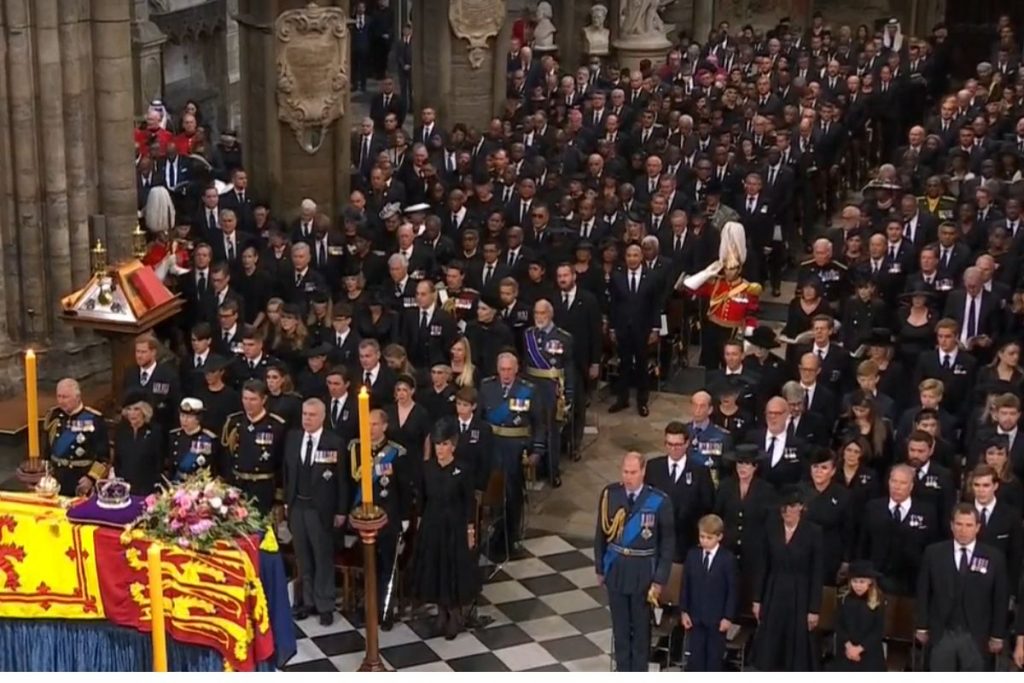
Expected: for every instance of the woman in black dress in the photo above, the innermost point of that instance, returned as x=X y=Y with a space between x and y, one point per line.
x=139 y=452
x=805 y=305
x=353 y=288
x=1004 y=369
x=282 y=400
x=744 y=502
x=915 y=324
x=860 y=623
x=892 y=379
x=861 y=482
x=864 y=420
x=788 y=588
x=445 y=572
x=377 y=320
x=1011 y=492
x=409 y=423
x=828 y=505
x=292 y=339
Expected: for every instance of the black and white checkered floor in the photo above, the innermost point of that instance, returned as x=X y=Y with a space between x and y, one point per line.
x=548 y=614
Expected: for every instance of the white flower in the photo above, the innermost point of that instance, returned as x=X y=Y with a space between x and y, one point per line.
x=223 y=511
x=215 y=503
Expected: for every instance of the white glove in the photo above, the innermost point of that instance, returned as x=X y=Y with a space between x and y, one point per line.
x=694 y=282
x=405 y=525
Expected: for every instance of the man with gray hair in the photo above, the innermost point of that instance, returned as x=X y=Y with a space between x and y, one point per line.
x=316 y=499
x=76 y=444
x=304 y=225
x=302 y=281
x=978 y=313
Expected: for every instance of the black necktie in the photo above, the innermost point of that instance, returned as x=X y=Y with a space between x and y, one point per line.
x=366 y=150
x=321 y=253
x=211 y=220
x=679 y=243
x=143 y=377
x=336 y=411
x=227 y=336
x=707 y=561
x=199 y=361
x=972 y=318
x=771 y=177
x=488 y=271
x=252 y=365
x=201 y=286
x=367 y=379
x=673 y=472
x=565 y=299
x=632 y=499
x=632 y=283
x=965 y=565
x=423 y=322
x=771 y=447
x=984 y=517
x=231 y=249
x=896 y=516
x=946 y=362
x=308 y=459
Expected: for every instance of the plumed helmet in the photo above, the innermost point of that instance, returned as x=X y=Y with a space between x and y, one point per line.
x=159 y=211
x=732 y=250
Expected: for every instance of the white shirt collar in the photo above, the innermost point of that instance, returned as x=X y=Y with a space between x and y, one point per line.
x=710 y=554
x=680 y=466
x=904 y=506
x=315 y=436
x=149 y=369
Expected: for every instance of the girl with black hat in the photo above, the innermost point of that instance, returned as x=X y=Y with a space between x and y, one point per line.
x=807 y=304
x=446 y=573
x=860 y=623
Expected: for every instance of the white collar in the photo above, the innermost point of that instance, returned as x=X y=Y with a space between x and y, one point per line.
x=429 y=311
x=340 y=399
x=990 y=507
x=148 y=369
x=680 y=466
x=969 y=547
x=904 y=506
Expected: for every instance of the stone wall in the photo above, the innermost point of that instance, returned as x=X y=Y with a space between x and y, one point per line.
x=66 y=105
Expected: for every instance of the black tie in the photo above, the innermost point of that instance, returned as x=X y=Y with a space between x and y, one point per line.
x=252 y=365
x=707 y=561
x=972 y=319
x=965 y=565
x=211 y=220
x=336 y=411
x=367 y=379
x=231 y=250
x=488 y=271
x=308 y=460
x=679 y=243
x=199 y=361
x=201 y=286
x=945 y=361
x=321 y=254
x=465 y=427
x=896 y=516
x=984 y=517
x=632 y=499
x=565 y=299
x=673 y=472
x=423 y=323
x=771 y=177
x=366 y=149
x=771 y=448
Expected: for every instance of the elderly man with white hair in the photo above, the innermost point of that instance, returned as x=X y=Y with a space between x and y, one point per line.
x=303 y=226
x=77 y=445
x=835 y=279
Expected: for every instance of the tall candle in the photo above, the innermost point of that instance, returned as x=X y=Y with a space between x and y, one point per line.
x=365 y=456
x=156 y=608
x=32 y=397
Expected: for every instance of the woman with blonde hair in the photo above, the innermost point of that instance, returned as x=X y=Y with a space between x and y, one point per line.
x=272 y=321
x=139 y=452
x=397 y=359
x=464 y=373
x=291 y=338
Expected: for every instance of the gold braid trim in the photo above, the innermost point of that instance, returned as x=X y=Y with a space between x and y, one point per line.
x=613 y=527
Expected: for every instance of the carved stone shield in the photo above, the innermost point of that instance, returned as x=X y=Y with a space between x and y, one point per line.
x=312 y=71
x=476 y=22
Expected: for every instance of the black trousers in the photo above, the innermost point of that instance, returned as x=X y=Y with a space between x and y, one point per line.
x=633 y=357
x=314 y=552
x=706 y=648
x=387 y=567
x=631 y=630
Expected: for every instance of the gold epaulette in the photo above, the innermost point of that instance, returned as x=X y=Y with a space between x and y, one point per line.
x=93 y=411
x=755 y=288
x=175 y=431
x=399 y=447
x=210 y=433
x=277 y=417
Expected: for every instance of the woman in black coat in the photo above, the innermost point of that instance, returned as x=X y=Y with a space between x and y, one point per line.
x=445 y=570
x=860 y=623
x=788 y=591
x=139 y=448
x=860 y=481
x=744 y=502
x=827 y=504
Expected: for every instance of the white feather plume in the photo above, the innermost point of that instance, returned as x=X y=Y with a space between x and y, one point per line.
x=733 y=243
x=159 y=210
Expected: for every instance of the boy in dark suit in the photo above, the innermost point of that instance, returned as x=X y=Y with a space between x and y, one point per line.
x=709 y=596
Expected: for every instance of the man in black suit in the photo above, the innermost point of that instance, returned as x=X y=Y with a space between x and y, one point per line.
x=766 y=257
x=833 y=359
x=1000 y=521
x=387 y=101
x=145 y=180
x=578 y=313
x=301 y=282
x=935 y=484
x=476 y=439
x=895 y=530
x=342 y=337
x=807 y=424
x=427 y=331
x=977 y=313
x=785 y=460
x=486 y=273
x=228 y=337
x=228 y=242
x=158 y=381
x=687 y=484
x=634 y=325
x=366 y=146
x=342 y=403
x=955 y=369
x=377 y=376
x=962 y=598
x=361 y=40
x=316 y=500
x=919 y=228
x=237 y=199
x=954 y=255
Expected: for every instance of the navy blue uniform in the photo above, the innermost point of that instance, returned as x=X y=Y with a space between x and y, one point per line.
x=77 y=446
x=633 y=548
x=551 y=368
x=707 y=444
x=516 y=416
x=194 y=452
x=710 y=593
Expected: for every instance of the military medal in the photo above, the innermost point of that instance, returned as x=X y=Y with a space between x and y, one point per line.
x=80 y=438
x=646 y=533
x=385 y=480
x=383 y=493
x=79 y=451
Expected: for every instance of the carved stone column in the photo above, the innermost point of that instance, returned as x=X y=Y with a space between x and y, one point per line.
x=147 y=51
x=703 y=19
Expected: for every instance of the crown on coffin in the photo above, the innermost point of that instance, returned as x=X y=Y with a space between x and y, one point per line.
x=113 y=494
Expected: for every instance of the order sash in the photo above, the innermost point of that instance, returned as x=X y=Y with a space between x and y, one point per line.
x=62 y=445
x=533 y=351
x=631 y=530
x=500 y=413
x=386 y=458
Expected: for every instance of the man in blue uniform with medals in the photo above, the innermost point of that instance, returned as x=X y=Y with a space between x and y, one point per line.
x=551 y=368
x=633 y=549
x=514 y=409
x=192 y=447
x=77 y=442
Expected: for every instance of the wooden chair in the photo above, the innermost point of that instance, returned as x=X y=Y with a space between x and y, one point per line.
x=899 y=633
x=348 y=567
x=827 y=616
x=671 y=597
x=491 y=509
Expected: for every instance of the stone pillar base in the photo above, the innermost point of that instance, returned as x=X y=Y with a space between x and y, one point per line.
x=630 y=54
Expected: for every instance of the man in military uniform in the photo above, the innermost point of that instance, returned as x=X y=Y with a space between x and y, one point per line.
x=835 y=286
x=254 y=439
x=552 y=369
x=76 y=441
x=192 y=447
x=456 y=299
x=514 y=312
x=933 y=202
x=316 y=503
x=514 y=408
x=488 y=335
x=708 y=441
x=158 y=381
x=633 y=549
x=393 y=490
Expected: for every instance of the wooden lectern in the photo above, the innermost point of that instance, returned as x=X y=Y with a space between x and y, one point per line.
x=121 y=302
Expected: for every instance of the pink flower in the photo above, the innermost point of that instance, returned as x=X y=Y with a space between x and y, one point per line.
x=175 y=525
x=241 y=513
x=150 y=501
x=184 y=542
x=201 y=527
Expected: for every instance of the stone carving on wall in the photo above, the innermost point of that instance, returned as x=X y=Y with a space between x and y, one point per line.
x=595 y=34
x=312 y=46
x=640 y=22
x=476 y=22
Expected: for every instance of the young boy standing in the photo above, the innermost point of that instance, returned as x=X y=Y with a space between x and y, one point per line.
x=709 y=596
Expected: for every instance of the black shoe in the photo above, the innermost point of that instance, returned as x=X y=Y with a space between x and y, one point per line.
x=577 y=455
x=776 y=291
x=556 y=483
x=326 y=619
x=618 y=406
x=299 y=613
x=643 y=410
x=387 y=623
